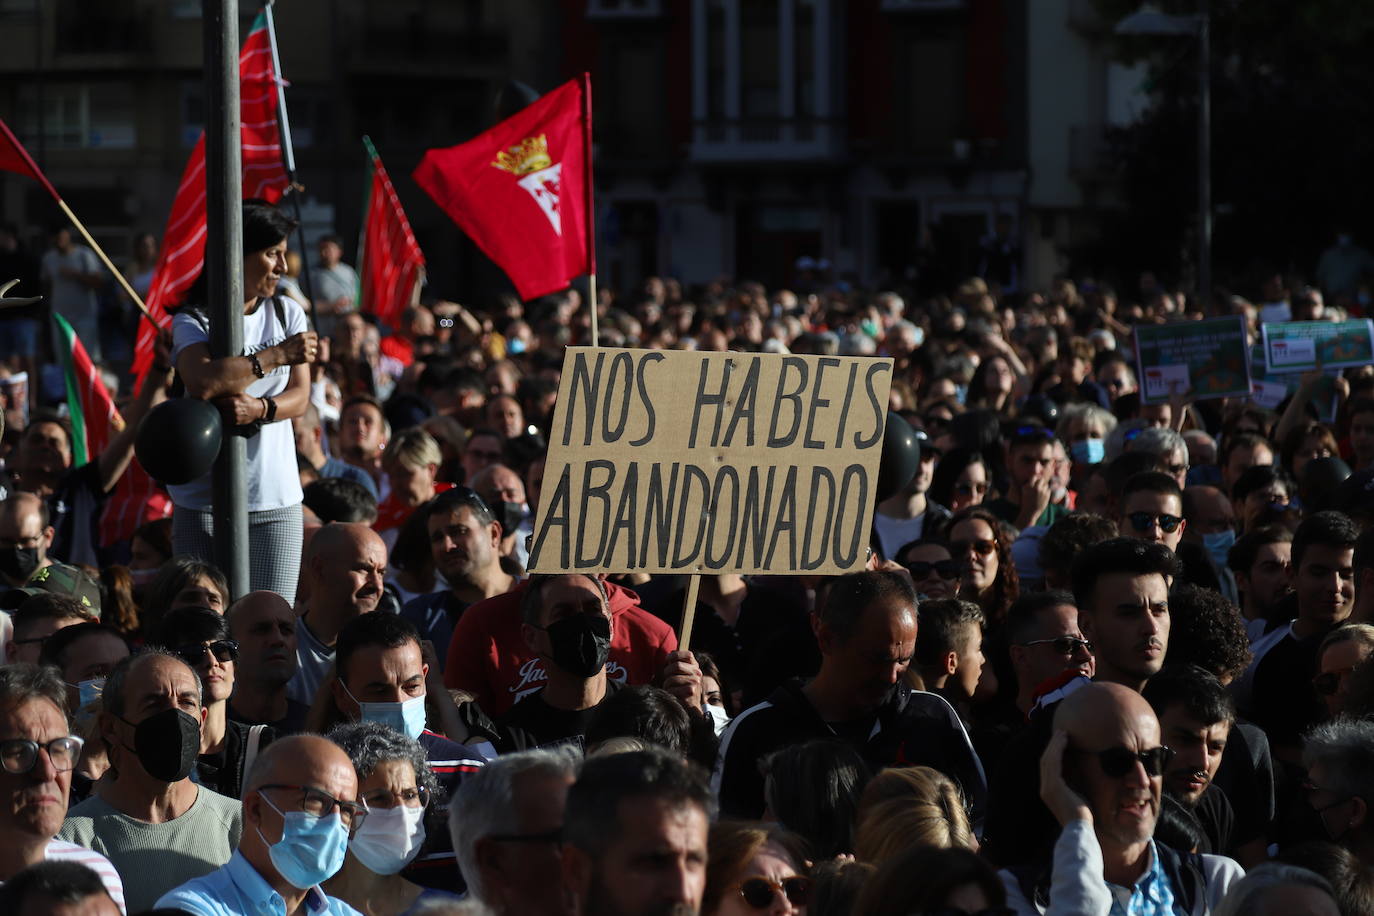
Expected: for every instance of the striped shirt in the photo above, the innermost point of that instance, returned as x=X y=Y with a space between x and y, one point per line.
x=61 y=850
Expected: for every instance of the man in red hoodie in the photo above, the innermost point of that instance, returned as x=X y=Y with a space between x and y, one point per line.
x=489 y=658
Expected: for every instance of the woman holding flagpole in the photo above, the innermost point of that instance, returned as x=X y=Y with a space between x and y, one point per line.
x=256 y=393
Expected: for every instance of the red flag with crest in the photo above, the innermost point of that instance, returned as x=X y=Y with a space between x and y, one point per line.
x=520 y=191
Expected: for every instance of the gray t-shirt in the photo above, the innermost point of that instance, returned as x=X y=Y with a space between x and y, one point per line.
x=313 y=661
x=154 y=858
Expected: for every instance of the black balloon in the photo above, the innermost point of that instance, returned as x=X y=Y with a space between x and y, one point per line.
x=901 y=457
x=178 y=440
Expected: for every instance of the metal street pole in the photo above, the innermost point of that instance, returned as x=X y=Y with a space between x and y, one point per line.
x=1204 y=158
x=224 y=270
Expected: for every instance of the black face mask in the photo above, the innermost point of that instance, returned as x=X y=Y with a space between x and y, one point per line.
x=580 y=644
x=167 y=744
x=510 y=515
x=18 y=563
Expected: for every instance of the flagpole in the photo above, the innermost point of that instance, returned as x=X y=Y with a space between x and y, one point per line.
x=36 y=174
x=105 y=259
x=590 y=203
x=288 y=156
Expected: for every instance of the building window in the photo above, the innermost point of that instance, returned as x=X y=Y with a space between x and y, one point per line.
x=762 y=76
x=79 y=115
x=609 y=8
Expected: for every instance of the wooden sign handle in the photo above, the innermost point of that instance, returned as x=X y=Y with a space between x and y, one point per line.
x=689 y=613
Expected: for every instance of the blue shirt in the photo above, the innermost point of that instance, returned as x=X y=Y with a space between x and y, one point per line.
x=236 y=889
x=1150 y=896
x=435 y=616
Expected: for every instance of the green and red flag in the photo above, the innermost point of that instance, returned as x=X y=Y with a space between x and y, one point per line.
x=95 y=419
x=390 y=263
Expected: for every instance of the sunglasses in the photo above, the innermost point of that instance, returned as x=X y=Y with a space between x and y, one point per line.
x=957 y=911
x=759 y=893
x=970 y=488
x=945 y=569
x=1328 y=683
x=981 y=546
x=1064 y=645
x=224 y=650
x=1144 y=521
x=1117 y=762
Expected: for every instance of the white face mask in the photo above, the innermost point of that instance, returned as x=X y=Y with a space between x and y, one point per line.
x=719 y=718
x=389 y=838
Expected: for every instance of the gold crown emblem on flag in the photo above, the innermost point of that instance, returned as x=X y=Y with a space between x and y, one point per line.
x=529 y=155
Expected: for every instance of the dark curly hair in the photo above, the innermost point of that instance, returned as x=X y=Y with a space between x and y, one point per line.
x=1207 y=630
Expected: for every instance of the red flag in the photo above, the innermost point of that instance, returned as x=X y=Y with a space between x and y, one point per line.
x=14 y=158
x=520 y=191
x=183 y=241
x=390 y=262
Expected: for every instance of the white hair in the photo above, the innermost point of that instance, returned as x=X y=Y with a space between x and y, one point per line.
x=485 y=802
x=1245 y=897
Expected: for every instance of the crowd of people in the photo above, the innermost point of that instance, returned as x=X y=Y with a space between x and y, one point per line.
x=1108 y=656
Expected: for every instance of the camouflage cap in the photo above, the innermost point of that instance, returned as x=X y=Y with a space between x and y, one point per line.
x=60 y=579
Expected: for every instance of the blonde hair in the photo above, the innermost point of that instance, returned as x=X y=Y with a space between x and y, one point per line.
x=907 y=807
x=412 y=448
x=1361 y=634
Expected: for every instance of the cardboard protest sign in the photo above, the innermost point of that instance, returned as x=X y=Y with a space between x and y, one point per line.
x=1203 y=359
x=1297 y=346
x=667 y=461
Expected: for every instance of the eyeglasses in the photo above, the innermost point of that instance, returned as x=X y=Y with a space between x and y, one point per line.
x=981 y=546
x=945 y=569
x=193 y=653
x=1117 y=762
x=1176 y=469
x=414 y=797
x=1064 y=645
x=318 y=803
x=1144 y=521
x=20 y=755
x=760 y=892
x=1329 y=682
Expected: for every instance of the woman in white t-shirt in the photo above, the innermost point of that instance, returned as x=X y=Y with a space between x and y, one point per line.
x=263 y=388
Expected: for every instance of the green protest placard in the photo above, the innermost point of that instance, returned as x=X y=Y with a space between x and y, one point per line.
x=1200 y=359
x=1297 y=346
x=677 y=461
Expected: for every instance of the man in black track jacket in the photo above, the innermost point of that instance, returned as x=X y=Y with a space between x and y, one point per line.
x=866 y=633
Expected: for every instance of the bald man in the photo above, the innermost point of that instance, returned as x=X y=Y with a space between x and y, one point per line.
x=284 y=857
x=504 y=491
x=1102 y=777
x=264 y=626
x=25 y=537
x=343 y=570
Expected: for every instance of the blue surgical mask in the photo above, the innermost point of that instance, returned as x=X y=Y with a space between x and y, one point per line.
x=311 y=849
x=1219 y=545
x=961 y=393
x=515 y=346
x=406 y=717
x=89 y=690
x=1088 y=451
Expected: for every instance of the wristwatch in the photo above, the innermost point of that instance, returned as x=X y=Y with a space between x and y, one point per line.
x=271 y=416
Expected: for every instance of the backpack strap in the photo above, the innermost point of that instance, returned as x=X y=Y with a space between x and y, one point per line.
x=251 y=753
